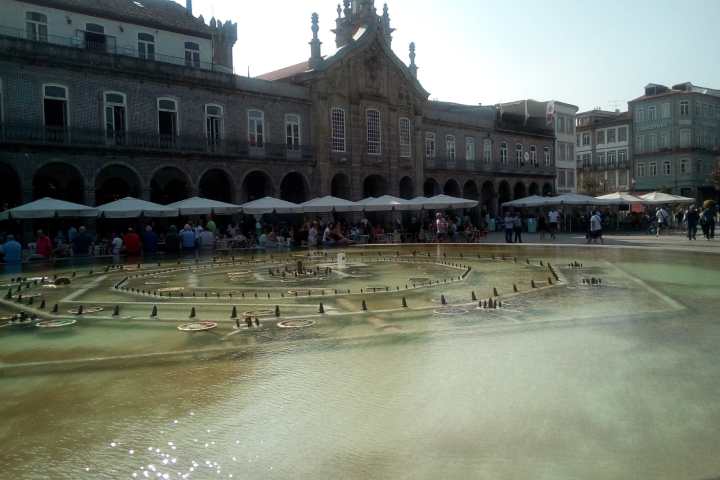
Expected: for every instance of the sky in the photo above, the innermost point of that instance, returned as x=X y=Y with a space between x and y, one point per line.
x=587 y=53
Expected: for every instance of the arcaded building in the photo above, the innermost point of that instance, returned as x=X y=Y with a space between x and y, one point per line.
x=103 y=99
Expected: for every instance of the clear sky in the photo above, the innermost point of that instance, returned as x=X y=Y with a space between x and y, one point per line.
x=582 y=52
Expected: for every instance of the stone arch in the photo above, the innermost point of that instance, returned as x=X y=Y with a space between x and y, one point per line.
x=406 y=188
x=10 y=187
x=504 y=193
x=375 y=186
x=59 y=180
x=534 y=189
x=116 y=181
x=452 y=188
x=519 y=191
x=431 y=187
x=217 y=184
x=487 y=195
x=169 y=185
x=340 y=186
x=547 y=190
x=294 y=188
x=257 y=184
x=470 y=190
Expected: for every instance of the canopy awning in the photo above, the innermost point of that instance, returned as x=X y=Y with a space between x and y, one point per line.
x=329 y=204
x=387 y=203
x=204 y=206
x=575 y=199
x=527 y=202
x=49 y=208
x=130 y=207
x=622 y=198
x=442 y=202
x=660 y=198
x=270 y=205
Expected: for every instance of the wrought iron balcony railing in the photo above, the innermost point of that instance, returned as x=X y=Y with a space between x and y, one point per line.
x=97 y=138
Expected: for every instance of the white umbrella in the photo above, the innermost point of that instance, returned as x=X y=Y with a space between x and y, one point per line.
x=270 y=205
x=329 y=204
x=575 y=199
x=49 y=208
x=387 y=203
x=204 y=206
x=531 y=201
x=130 y=207
x=660 y=198
x=441 y=202
x=621 y=198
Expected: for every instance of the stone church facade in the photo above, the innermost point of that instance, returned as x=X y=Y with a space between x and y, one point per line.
x=94 y=124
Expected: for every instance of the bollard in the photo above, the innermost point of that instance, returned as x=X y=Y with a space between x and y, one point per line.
x=527 y=260
x=277 y=311
x=116 y=311
x=80 y=310
x=154 y=312
x=193 y=313
x=56 y=308
x=364 y=306
x=31 y=301
x=404 y=302
x=550 y=282
x=515 y=289
x=495 y=292
x=42 y=304
x=234 y=313
x=443 y=300
x=532 y=284
x=474 y=297
x=321 y=309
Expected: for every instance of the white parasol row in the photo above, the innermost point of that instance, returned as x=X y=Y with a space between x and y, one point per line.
x=618 y=198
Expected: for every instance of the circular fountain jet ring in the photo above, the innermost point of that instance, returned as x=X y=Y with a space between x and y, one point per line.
x=296 y=323
x=197 y=327
x=56 y=323
x=451 y=311
x=86 y=310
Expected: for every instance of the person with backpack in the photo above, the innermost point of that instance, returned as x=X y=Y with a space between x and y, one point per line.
x=663 y=220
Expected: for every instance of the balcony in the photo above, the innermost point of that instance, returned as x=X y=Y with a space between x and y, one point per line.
x=479 y=166
x=148 y=141
x=105 y=45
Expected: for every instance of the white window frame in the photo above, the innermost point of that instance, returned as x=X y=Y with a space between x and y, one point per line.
x=487 y=151
x=685 y=134
x=66 y=100
x=504 y=154
x=622 y=134
x=37 y=37
x=293 y=140
x=519 y=155
x=208 y=116
x=641 y=170
x=608 y=135
x=622 y=157
x=685 y=166
x=107 y=104
x=586 y=139
x=255 y=122
x=374 y=146
x=430 y=145
x=652 y=169
x=405 y=134
x=600 y=136
x=145 y=44
x=612 y=159
x=548 y=156
x=652 y=113
x=470 y=150
x=451 y=148
x=667 y=168
x=684 y=108
x=176 y=111
x=533 y=155
x=337 y=130
x=666 y=110
x=194 y=60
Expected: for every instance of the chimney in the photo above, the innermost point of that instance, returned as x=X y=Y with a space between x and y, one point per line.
x=188 y=7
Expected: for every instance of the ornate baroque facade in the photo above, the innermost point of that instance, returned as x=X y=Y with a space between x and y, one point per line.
x=94 y=120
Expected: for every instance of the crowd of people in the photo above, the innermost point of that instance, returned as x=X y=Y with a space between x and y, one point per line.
x=203 y=236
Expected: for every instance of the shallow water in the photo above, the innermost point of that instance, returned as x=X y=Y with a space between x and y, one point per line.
x=565 y=381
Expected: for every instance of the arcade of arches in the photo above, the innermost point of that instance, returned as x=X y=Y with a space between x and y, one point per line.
x=169 y=185
x=115 y=182
x=217 y=185
x=59 y=180
x=10 y=189
x=294 y=188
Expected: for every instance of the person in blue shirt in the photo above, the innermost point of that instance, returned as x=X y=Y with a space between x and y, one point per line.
x=12 y=250
x=150 y=241
x=188 y=239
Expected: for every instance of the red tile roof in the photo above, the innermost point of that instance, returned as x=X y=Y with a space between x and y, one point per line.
x=285 y=73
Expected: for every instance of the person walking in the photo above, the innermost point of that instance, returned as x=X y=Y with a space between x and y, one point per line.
x=692 y=218
x=150 y=242
x=707 y=220
x=596 y=232
x=133 y=245
x=663 y=220
x=509 y=222
x=11 y=250
x=116 y=247
x=82 y=243
x=554 y=221
x=518 y=227
x=43 y=245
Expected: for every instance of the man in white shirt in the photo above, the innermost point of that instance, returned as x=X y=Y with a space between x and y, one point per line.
x=596 y=228
x=554 y=222
x=663 y=220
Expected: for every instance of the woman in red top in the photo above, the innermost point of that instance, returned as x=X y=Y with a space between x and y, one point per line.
x=43 y=245
x=131 y=240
